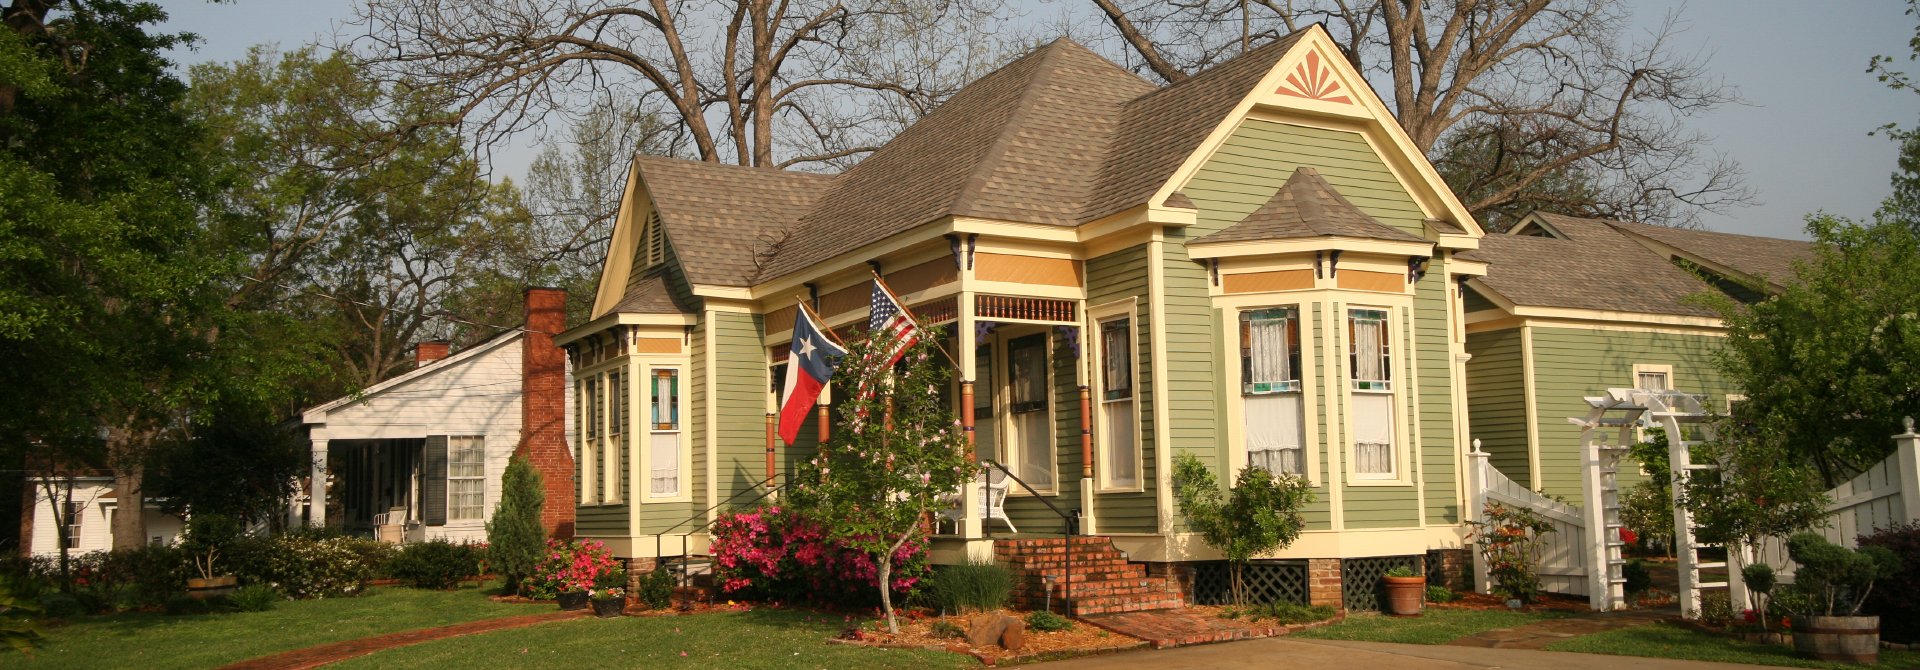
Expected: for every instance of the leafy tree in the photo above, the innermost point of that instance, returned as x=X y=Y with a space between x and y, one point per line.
x=109 y=285
x=1260 y=514
x=516 y=541
x=901 y=452
x=240 y=461
x=1758 y=492
x=1839 y=579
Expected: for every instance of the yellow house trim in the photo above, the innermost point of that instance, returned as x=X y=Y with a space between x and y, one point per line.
x=1533 y=408
x=1297 y=245
x=1162 y=433
x=634 y=200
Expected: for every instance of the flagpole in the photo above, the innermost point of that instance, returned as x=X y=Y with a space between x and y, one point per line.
x=818 y=320
x=882 y=283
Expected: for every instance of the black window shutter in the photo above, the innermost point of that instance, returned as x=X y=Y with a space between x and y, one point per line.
x=433 y=492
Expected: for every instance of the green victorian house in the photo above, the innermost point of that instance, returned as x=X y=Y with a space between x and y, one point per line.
x=1253 y=266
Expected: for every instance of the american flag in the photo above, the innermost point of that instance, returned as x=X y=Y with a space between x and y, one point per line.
x=889 y=320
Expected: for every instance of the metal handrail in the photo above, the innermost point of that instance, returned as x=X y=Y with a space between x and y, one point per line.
x=1066 y=530
x=685 y=575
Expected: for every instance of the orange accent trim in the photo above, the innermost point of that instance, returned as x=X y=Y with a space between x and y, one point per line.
x=1261 y=282
x=1313 y=81
x=1026 y=269
x=924 y=276
x=781 y=319
x=857 y=296
x=1362 y=280
x=656 y=345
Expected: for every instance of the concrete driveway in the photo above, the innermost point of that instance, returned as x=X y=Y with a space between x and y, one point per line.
x=1282 y=653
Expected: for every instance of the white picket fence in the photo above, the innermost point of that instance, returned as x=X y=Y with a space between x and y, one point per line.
x=1563 y=565
x=1877 y=498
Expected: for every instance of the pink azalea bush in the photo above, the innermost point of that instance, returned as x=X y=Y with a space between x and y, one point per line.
x=570 y=566
x=777 y=552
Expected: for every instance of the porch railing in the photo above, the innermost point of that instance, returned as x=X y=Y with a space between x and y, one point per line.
x=1068 y=524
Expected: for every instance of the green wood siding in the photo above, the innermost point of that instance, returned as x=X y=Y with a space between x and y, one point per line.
x=1259 y=157
x=1572 y=363
x=1439 y=469
x=1117 y=276
x=739 y=401
x=600 y=520
x=1496 y=400
x=1474 y=302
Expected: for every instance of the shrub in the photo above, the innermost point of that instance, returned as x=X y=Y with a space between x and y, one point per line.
x=302 y=567
x=61 y=606
x=255 y=598
x=1439 y=594
x=1259 y=514
x=1401 y=571
x=778 y=553
x=1638 y=577
x=516 y=541
x=569 y=566
x=1047 y=621
x=435 y=564
x=1839 y=579
x=973 y=585
x=656 y=589
x=1509 y=541
x=1896 y=599
x=1715 y=609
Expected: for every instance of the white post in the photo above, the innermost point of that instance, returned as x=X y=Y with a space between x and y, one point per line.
x=1476 y=504
x=317 y=502
x=1678 y=461
x=1594 y=511
x=1909 y=455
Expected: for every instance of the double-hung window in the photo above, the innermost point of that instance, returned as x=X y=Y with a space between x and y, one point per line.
x=466 y=477
x=1370 y=357
x=663 y=453
x=1028 y=385
x=1271 y=402
x=71 y=517
x=1116 y=402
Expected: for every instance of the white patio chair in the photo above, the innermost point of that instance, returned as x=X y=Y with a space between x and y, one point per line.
x=993 y=498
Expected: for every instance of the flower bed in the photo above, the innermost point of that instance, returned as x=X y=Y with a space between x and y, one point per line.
x=916 y=632
x=1482 y=601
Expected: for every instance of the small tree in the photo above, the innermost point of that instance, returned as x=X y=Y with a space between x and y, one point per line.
x=1647 y=508
x=1759 y=491
x=897 y=457
x=515 y=539
x=1838 y=579
x=1259 y=515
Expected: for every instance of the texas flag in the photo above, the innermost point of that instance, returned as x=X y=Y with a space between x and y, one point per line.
x=809 y=365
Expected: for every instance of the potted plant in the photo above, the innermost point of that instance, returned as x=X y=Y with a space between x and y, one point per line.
x=205 y=537
x=569 y=570
x=609 y=593
x=1405 y=591
x=1834 y=582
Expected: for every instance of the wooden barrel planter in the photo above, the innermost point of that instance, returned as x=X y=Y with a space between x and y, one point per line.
x=1405 y=595
x=1838 y=638
x=212 y=588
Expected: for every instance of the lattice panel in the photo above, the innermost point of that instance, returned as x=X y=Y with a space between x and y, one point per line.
x=1360 y=579
x=1265 y=583
x=1437 y=569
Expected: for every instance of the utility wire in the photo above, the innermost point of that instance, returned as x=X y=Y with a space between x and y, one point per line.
x=424 y=315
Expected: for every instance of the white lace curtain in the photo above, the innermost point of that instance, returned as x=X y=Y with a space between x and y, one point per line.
x=1373 y=435
x=1275 y=434
x=1267 y=345
x=1368 y=334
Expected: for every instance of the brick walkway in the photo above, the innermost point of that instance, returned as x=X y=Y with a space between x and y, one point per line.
x=313 y=657
x=1539 y=634
x=1176 y=628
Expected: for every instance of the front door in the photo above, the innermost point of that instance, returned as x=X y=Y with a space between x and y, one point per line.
x=1028 y=410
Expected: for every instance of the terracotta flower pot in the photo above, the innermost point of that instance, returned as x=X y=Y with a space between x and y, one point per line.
x=572 y=600
x=1838 y=638
x=1405 y=595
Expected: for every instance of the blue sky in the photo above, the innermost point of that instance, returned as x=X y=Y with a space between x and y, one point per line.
x=1802 y=137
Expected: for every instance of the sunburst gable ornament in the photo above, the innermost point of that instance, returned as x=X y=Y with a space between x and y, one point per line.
x=1313 y=81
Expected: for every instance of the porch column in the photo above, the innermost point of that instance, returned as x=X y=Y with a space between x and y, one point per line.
x=317 y=501
x=964 y=339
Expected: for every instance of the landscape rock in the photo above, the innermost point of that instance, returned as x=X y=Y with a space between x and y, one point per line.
x=1015 y=634
x=986 y=628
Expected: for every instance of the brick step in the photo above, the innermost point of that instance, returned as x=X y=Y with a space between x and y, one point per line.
x=1079 y=576
x=1108 y=586
x=1078 y=567
x=1109 y=605
x=1095 y=557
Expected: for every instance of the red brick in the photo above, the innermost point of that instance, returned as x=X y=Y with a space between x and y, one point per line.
x=543 y=415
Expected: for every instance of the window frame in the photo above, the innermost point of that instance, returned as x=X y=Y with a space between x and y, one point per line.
x=1011 y=452
x=1129 y=310
x=643 y=461
x=1297 y=360
x=1393 y=323
x=1312 y=387
x=481 y=448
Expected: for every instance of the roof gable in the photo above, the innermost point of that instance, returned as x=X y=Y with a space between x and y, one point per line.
x=1755 y=257
x=1307 y=206
x=318 y=413
x=1591 y=266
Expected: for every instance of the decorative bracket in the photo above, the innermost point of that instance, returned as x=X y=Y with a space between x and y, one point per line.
x=973 y=244
x=1417 y=268
x=1333 y=267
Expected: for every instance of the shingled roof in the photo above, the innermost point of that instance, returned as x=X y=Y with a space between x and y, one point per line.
x=1596 y=268
x=1059 y=136
x=1767 y=257
x=649 y=296
x=718 y=216
x=1307 y=206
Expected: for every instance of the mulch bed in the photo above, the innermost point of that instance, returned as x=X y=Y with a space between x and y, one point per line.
x=1547 y=602
x=917 y=633
x=1201 y=624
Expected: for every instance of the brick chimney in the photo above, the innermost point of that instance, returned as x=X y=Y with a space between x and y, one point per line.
x=428 y=352
x=543 y=406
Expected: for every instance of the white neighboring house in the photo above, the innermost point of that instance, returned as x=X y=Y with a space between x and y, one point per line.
x=86 y=505
x=420 y=456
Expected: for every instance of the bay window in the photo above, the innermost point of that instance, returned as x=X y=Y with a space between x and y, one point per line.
x=664 y=448
x=1117 y=404
x=1271 y=402
x=1371 y=366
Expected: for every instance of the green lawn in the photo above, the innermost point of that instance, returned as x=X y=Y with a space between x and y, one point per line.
x=757 y=640
x=157 y=641
x=1435 y=626
x=1668 y=641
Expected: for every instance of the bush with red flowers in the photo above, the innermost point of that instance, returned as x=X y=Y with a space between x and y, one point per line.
x=570 y=566
x=775 y=552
